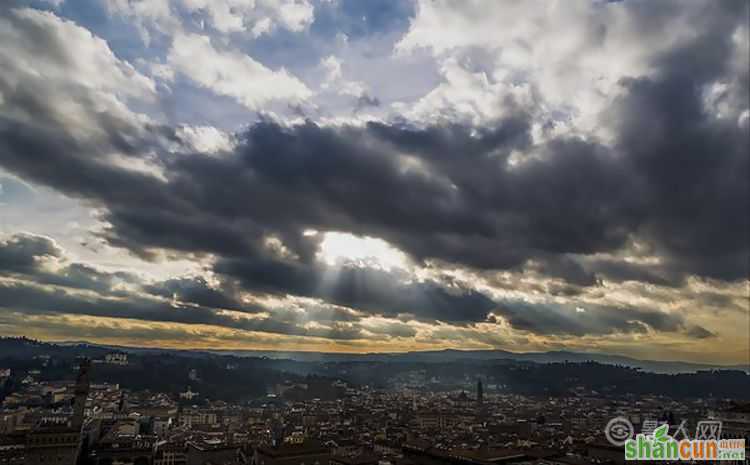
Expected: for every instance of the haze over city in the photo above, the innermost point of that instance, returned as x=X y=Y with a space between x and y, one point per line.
x=377 y=176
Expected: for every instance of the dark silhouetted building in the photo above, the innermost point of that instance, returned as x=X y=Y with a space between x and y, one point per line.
x=305 y=453
x=57 y=439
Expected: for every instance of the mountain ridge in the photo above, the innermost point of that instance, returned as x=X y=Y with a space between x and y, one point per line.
x=442 y=355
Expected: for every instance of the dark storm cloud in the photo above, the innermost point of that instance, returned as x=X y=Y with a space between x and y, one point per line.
x=366 y=289
x=676 y=178
x=567 y=269
x=35 y=287
x=566 y=320
x=694 y=166
x=82 y=276
x=620 y=270
x=21 y=253
x=699 y=332
x=33 y=299
x=393 y=328
x=30 y=257
x=577 y=199
x=461 y=203
x=196 y=290
x=364 y=101
x=195 y=301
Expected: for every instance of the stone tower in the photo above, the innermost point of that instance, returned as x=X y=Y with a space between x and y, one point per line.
x=480 y=392
x=81 y=392
x=58 y=440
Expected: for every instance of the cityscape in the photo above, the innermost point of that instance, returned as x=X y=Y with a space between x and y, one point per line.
x=80 y=404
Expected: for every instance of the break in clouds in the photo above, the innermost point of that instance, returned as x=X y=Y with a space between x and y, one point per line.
x=357 y=176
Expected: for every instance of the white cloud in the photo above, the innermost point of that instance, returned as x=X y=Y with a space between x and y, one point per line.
x=86 y=60
x=295 y=15
x=156 y=70
x=334 y=79
x=466 y=96
x=225 y=16
x=744 y=118
x=206 y=139
x=261 y=27
x=146 y=15
x=55 y=3
x=571 y=54
x=332 y=68
x=353 y=88
x=72 y=73
x=338 y=248
x=232 y=73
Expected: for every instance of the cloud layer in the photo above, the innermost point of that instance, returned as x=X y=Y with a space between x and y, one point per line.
x=546 y=193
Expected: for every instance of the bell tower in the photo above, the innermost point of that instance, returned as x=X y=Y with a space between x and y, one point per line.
x=81 y=392
x=480 y=393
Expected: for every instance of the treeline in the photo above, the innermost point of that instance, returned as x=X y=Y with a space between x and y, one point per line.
x=560 y=378
x=234 y=378
x=212 y=376
x=554 y=379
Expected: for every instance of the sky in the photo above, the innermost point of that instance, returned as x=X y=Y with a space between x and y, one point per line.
x=381 y=175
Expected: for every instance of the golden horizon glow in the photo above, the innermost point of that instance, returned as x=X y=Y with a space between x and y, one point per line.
x=164 y=335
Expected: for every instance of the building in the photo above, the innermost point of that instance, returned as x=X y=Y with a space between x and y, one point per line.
x=305 y=453
x=160 y=425
x=12 y=448
x=52 y=443
x=423 y=453
x=480 y=392
x=124 y=449
x=170 y=453
x=81 y=393
x=361 y=459
x=436 y=420
x=606 y=452
x=58 y=439
x=116 y=358
x=189 y=394
x=190 y=417
x=735 y=424
x=211 y=451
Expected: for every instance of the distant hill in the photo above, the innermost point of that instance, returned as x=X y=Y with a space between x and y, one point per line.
x=453 y=355
x=251 y=375
x=433 y=356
